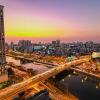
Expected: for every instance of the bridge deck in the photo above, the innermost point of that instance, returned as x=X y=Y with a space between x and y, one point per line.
x=86 y=73
x=20 y=87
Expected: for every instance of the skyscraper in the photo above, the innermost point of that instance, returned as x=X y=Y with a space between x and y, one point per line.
x=2 y=38
x=3 y=75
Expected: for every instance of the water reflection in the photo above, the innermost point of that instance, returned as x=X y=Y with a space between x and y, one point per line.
x=37 y=67
x=85 y=88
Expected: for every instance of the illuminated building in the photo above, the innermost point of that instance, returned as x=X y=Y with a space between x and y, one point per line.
x=3 y=71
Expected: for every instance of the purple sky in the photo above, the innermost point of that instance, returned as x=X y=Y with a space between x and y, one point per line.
x=68 y=20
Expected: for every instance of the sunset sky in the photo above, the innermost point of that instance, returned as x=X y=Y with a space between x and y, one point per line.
x=47 y=20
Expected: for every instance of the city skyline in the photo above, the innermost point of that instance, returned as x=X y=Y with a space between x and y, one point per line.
x=44 y=20
x=49 y=53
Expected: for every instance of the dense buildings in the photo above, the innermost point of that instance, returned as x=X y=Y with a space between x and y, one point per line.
x=57 y=48
x=24 y=45
x=3 y=74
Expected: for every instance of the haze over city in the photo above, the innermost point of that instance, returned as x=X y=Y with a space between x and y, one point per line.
x=46 y=20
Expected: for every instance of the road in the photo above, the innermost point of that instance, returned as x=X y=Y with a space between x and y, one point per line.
x=54 y=93
x=86 y=73
x=20 y=87
x=32 y=59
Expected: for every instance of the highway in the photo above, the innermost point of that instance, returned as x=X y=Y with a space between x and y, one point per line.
x=86 y=73
x=54 y=92
x=20 y=87
x=30 y=59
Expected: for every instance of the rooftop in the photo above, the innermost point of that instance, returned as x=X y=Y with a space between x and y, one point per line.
x=96 y=55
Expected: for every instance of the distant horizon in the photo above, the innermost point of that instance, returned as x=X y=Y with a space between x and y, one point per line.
x=49 y=41
x=47 y=20
x=45 y=40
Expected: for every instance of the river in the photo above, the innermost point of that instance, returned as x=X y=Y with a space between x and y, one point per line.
x=85 y=88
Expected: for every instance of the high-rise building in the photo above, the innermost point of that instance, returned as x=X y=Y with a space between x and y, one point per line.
x=3 y=74
x=56 y=43
x=2 y=38
x=24 y=45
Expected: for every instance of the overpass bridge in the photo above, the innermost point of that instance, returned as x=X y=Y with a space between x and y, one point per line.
x=20 y=87
x=86 y=73
x=30 y=59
